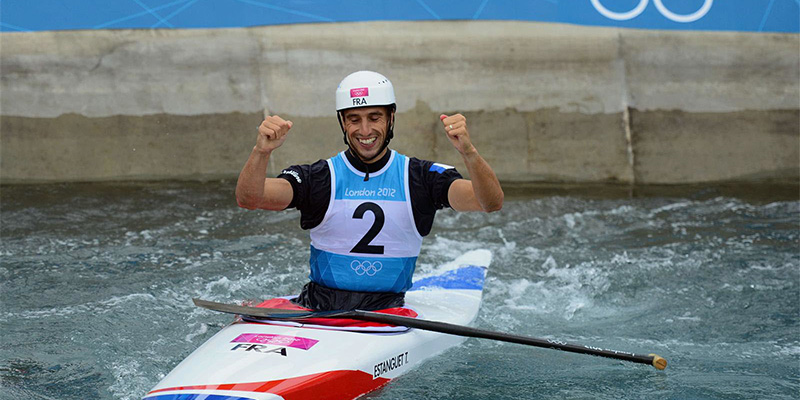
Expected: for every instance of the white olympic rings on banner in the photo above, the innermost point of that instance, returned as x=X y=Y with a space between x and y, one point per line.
x=624 y=16
x=366 y=267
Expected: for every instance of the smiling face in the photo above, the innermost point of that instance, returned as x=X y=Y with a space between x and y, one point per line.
x=366 y=129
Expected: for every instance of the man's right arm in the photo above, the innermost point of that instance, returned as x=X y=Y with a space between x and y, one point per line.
x=253 y=189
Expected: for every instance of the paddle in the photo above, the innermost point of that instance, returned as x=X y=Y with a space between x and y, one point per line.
x=442 y=327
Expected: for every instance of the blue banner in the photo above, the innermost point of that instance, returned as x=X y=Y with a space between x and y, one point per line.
x=714 y=15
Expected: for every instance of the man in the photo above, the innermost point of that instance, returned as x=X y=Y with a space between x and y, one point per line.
x=368 y=207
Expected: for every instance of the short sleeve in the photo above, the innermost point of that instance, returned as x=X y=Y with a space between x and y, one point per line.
x=311 y=186
x=429 y=184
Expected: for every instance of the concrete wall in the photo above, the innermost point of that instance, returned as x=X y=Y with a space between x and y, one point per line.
x=544 y=102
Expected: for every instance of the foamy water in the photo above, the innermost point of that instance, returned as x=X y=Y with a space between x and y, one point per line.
x=97 y=282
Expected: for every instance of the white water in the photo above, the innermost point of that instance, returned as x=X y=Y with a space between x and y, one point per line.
x=97 y=282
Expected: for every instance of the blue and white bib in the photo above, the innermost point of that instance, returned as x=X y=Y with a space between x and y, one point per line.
x=368 y=241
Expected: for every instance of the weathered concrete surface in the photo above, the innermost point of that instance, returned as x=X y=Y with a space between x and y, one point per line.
x=294 y=69
x=678 y=146
x=217 y=145
x=73 y=147
x=544 y=102
x=711 y=72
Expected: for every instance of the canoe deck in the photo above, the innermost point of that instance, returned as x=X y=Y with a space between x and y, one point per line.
x=258 y=361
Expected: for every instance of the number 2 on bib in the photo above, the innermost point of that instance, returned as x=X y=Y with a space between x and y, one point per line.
x=363 y=245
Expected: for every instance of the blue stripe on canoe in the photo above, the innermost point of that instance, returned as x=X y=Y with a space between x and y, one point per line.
x=466 y=277
x=193 y=396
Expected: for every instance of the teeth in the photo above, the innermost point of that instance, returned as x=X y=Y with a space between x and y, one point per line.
x=367 y=141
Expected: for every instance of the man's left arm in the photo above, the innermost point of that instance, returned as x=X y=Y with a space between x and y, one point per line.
x=482 y=192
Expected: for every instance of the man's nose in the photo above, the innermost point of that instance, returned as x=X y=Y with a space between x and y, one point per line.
x=364 y=127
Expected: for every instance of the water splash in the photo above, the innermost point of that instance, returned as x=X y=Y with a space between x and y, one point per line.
x=108 y=272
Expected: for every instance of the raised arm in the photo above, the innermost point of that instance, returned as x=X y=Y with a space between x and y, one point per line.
x=253 y=189
x=482 y=192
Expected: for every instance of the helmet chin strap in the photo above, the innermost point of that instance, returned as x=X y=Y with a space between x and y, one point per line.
x=389 y=136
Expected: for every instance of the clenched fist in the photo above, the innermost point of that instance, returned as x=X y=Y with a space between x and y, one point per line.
x=456 y=128
x=272 y=133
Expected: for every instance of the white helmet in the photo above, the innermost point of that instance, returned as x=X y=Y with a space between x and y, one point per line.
x=364 y=89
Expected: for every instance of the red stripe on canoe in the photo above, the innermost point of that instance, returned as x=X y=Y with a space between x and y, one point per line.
x=332 y=385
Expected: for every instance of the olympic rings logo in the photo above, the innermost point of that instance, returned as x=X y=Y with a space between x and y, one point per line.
x=366 y=267
x=624 y=16
x=275 y=340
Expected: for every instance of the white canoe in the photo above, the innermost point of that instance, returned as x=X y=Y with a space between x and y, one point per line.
x=256 y=361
